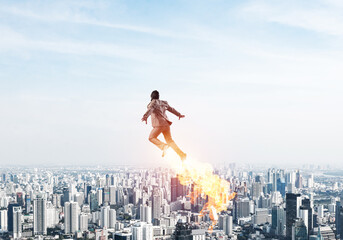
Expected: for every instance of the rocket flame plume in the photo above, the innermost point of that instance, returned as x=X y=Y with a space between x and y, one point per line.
x=206 y=185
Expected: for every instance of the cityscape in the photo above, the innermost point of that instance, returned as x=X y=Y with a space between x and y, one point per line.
x=127 y=203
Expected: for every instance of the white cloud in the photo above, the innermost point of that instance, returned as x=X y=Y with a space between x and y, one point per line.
x=318 y=16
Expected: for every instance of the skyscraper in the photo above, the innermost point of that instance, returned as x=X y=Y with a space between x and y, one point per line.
x=177 y=189
x=292 y=205
x=71 y=217
x=105 y=214
x=16 y=224
x=339 y=220
x=3 y=220
x=112 y=218
x=145 y=213
x=39 y=216
x=306 y=204
x=225 y=224
x=11 y=206
x=156 y=204
x=112 y=195
x=299 y=230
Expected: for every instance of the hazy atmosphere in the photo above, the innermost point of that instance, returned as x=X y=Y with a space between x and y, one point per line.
x=258 y=83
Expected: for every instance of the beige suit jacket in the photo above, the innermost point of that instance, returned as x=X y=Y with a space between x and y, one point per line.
x=157 y=109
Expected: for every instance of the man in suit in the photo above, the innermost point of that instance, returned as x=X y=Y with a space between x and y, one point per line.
x=157 y=110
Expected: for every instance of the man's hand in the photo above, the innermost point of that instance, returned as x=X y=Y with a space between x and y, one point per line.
x=181 y=116
x=145 y=120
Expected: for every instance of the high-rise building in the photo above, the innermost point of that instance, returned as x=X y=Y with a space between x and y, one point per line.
x=339 y=220
x=156 y=204
x=299 y=230
x=83 y=221
x=225 y=224
x=112 y=218
x=177 y=189
x=39 y=216
x=104 y=217
x=306 y=204
x=71 y=217
x=292 y=208
x=298 y=180
x=16 y=224
x=3 y=220
x=27 y=203
x=66 y=195
x=279 y=220
x=145 y=213
x=183 y=231
x=20 y=199
x=11 y=206
x=112 y=195
x=142 y=231
x=256 y=189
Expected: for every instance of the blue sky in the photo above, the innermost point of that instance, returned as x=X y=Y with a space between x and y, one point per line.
x=259 y=81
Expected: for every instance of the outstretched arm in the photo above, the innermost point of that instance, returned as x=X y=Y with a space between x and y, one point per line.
x=148 y=113
x=173 y=110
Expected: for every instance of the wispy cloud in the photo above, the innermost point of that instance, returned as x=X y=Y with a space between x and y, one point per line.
x=318 y=16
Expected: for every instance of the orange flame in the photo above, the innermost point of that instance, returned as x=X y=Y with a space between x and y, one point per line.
x=206 y=185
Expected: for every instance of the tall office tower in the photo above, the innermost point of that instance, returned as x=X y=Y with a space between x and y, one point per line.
x=281 y=186
x=304 y=216
x=112 y=218
x=108 y=180
x=52 y=215
x=242 y=208
x=320 y=211
x=274 y=181
x=259 y=178
x=292 y=209
x=83 y=222
x=88 y=189
x=310 y=181
x=306 y=203
x=299 y=230
x=11 y=206
x=3 y=220
x=298 y=180
x=120 y=196
x=156 y=204
x=182 y=231
x=338 y=222
x=113 y=180
x=39 y=216
x=256 y=190
x=177 y=189
x=99 y=196
x=106 y=195
x=147 y=231
x=137 y=194
x=16 y=224
x=112 y=195
x=71 y=217
x=20 y=199
x=93 y=200
x=278 y=220
x=145 y=213
x=104 y=216
x=66 y=195
x=27 y=203
x=270 y=175
x=225 y=224
x=137 y=232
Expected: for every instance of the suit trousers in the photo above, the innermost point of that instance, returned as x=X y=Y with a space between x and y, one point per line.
x=165 y=130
